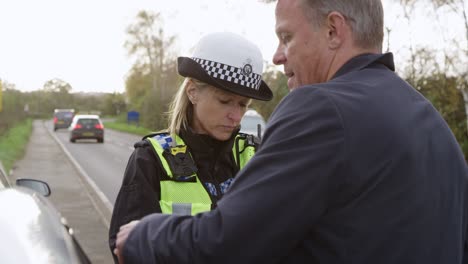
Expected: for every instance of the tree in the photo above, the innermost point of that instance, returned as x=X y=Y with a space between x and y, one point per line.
x=277 y=82
x=114 y=104
x=57 y=93
x=13 y=102
x=458 y=62
x=152 y=48
x=57 y=85
x=448 y=100
x=138 y=84
x=455 y=56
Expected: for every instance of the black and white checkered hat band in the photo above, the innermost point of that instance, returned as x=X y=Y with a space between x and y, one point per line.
x=230 y=73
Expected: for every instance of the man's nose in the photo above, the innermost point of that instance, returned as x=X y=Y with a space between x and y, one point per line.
x=279 y=58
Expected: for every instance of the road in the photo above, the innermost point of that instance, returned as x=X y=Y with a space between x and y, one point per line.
x=103 y=163
x=74 y=194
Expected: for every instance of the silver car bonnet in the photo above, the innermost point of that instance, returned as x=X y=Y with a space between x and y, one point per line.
x=31 y=230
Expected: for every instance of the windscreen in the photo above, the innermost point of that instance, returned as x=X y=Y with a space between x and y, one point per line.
x=88 y=121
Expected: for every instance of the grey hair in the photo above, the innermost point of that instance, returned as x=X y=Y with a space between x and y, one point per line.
x=181 y=109
x=365 y=17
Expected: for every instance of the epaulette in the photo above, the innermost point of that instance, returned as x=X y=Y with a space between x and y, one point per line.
x=165 y=140
x=144 y=143
x=141 y=143
x=153 y=134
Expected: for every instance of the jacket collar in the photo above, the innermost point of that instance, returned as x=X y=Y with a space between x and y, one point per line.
x=203 y=143
x=362 y=61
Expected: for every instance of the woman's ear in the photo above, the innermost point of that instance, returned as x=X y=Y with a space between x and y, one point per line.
x=191 y=92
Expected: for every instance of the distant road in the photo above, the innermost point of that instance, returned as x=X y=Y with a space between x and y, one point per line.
x=103 y=163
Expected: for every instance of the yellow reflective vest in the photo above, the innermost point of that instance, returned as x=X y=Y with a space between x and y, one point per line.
x=185 y=193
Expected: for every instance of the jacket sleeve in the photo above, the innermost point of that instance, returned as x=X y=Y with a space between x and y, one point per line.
x=140 y=191
x=465 y=253
x=465 y=236
x=273 y=202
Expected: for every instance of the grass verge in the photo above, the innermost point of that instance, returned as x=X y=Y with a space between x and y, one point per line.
x=13 y=143
x=124 y=127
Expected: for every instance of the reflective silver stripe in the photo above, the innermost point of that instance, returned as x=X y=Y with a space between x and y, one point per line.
x=182 y=208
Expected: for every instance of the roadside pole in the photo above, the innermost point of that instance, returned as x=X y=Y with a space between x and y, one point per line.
x=1 y=99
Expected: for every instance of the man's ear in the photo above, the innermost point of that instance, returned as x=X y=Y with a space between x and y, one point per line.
x=337 y=30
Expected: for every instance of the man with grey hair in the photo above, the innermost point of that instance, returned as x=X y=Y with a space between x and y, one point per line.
x=355 y=166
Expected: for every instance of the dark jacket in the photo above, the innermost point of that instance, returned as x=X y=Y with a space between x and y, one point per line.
x=360 y=169
x=139 y=194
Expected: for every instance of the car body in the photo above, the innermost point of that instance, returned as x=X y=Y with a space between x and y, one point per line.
x=86 y=127
x=33 y=231
x=63 y=118
x=250 y=122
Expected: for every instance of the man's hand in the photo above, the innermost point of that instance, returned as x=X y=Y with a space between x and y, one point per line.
x=122 y=236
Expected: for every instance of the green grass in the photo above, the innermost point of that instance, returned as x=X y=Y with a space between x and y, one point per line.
x=13 y=143
x=124 y=127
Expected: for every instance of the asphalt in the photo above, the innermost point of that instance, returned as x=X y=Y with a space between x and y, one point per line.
x=73 y=193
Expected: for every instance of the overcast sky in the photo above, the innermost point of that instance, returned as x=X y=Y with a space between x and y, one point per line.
x=81 y=42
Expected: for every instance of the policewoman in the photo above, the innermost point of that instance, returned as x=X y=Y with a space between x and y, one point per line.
x=188 y=168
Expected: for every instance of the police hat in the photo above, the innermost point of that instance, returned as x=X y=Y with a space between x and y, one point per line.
x=229 y=62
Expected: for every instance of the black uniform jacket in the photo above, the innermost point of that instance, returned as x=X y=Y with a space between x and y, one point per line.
x=140 y=191
x=360 y=169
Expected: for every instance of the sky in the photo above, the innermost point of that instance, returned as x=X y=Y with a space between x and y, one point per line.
x=82 y=42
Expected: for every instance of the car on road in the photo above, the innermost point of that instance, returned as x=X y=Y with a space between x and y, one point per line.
x=63 y=118
x=86 y=127
x=253 y=123
x=32 y=230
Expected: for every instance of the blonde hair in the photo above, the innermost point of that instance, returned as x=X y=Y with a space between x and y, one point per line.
x=181 y=109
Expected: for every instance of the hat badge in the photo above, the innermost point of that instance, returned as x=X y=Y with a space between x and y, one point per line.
x=247 y=68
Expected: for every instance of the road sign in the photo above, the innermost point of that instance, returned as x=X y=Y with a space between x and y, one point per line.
x=133 y=117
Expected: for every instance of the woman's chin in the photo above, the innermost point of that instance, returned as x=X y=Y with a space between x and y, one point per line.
x=222 y=136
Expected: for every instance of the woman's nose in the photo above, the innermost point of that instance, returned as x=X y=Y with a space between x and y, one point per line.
x=236 y=115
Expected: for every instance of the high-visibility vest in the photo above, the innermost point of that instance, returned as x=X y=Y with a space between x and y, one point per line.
x=184 y=193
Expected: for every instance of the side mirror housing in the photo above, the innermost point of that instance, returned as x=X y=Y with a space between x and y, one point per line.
x=37 y=185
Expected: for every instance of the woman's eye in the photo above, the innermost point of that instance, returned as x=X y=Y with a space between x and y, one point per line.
x=224 y=101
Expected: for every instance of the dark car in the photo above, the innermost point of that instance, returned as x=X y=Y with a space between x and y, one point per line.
x=32 y=230
x=86 y=127
x=63 y=118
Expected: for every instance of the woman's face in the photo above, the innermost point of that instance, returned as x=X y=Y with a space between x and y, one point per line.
x=216 y=112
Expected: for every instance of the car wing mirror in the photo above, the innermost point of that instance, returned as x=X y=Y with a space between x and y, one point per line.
x=36 y=185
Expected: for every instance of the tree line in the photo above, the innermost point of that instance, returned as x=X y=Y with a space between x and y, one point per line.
x=56 y=93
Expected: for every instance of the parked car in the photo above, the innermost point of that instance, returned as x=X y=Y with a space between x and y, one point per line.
x=63 y=118
x=250 y=123
x=86 y=127
x=32 y=229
